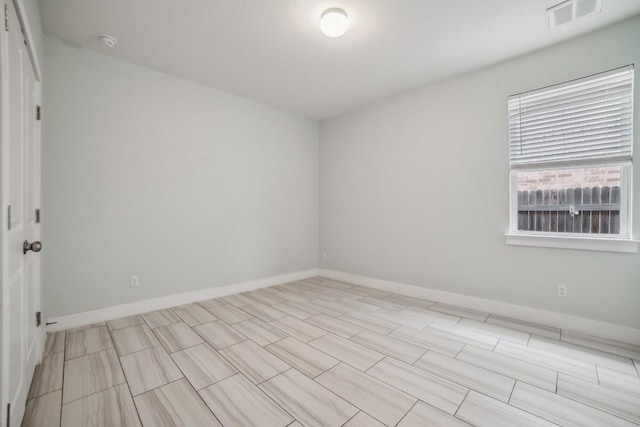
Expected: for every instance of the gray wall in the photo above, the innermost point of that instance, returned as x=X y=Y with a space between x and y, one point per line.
x=184 y=185
x=403 y=184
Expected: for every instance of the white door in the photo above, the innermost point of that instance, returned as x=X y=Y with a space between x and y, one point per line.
x=21 y=288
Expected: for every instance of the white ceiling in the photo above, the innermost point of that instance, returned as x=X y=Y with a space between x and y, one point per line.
x=273 y=51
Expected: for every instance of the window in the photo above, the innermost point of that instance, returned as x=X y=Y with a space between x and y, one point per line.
x=570 y=154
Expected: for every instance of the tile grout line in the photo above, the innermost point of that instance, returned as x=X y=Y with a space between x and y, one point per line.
x=410 y=409
x=125 y=378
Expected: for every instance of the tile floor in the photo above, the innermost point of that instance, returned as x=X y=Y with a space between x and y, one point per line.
x=319 y=352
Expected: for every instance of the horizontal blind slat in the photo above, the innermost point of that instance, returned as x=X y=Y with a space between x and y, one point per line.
x=589 y=119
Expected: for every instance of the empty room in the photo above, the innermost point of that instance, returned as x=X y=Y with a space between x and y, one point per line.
x=312 y=213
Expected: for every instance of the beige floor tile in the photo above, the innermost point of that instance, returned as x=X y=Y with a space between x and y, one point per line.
x=279 y=358
x=125 y=322
x=89 y=326
x=409 y=301
x=426 y=415
x=47 y=376
x=431 y=316
x=397 y=317
x=219 y=335
x=177 y=336
x=497 y=331
x=209 y=303
x=428 y=340
x=490 y=383
x=158 y=318
x=54 y=343
x=254 y=361
x=460 y=312
x=259 y=332
x=193 y=314
x=369 y=321
x=238 y=300
x=134 y=338
x=561 y=410
x=548 y=360
x=429 y=388
x=483 y=411
x=352 y=354
x=523 y=326
x=331 y=308
x=296 y=310
x=87 y=341
x=174 y=404
x=467 y=336
x=389 y=345
x=615 y=402
x=92 y=373
x=107 y=408
x=616 y=380
x=262 y=312
x=585 y=354
x=203 y=366
x=148 y=369
x=303 y=357
x=336 y=326
x=615 y=347
x=228 y=313
x=43 y=411
x=290 y=296
x=380 y=400
x=362 y=419
x=308 y=402
x=316 y=294
x=359 y=306
x=238 y=402
x=265 y=297
x=523 y=371
x=298 y=328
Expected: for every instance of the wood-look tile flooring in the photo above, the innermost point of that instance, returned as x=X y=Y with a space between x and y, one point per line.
x=319 y=352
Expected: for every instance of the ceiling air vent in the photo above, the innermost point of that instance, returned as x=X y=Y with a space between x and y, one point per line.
x=572 y=10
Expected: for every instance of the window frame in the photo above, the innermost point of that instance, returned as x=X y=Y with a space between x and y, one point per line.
x=621 y=242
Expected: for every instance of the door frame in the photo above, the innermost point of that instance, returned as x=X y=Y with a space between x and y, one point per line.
x=4 y=186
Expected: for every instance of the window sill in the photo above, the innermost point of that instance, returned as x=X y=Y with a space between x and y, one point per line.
x=570 y=242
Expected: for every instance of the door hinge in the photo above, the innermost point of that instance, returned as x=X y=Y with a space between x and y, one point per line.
x=6 y=17
x=38 y=112
x=9 y=217
x=38 y=319
x=37 y=216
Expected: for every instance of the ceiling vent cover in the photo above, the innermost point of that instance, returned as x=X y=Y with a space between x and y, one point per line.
x=572 y=10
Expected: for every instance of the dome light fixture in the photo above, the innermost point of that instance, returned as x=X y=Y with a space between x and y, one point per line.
x=334 y=22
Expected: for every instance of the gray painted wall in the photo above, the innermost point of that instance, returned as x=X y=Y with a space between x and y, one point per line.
x=186 y=186
x=397 y=179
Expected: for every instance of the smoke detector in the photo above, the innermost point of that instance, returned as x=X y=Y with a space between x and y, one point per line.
x=572 y=10
x=108 y=40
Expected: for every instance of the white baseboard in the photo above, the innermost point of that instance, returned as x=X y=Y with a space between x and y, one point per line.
x=543 y=317
x=108 y=313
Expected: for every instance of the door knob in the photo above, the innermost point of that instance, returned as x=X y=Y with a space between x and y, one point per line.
x=35 y=246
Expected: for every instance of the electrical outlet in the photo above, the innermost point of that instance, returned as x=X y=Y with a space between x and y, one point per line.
x=324 y=256
x=562 y=290
x=135 y=281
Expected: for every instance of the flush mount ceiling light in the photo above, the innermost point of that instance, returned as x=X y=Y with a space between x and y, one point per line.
x=334 y=22
x=108 y=40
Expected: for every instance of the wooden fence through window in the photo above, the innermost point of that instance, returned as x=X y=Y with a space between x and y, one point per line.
x=548 y=210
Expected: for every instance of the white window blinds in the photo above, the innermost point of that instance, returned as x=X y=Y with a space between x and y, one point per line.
x=587 y=119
